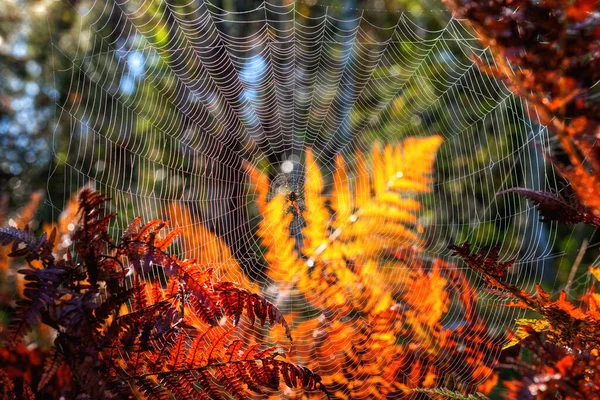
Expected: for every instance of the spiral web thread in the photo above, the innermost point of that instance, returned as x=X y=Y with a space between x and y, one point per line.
x=169 y=99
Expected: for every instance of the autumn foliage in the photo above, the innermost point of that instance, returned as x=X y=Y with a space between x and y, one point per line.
x=351 y=305
x=347 y=278
x=365 y=305
x=119 y=334
x=377 y=305
x=556 y=355
x=548 y=52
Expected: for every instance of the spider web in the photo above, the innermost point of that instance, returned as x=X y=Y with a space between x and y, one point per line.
x=169 y=99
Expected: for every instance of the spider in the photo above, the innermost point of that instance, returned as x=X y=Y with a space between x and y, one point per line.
x=292 y=203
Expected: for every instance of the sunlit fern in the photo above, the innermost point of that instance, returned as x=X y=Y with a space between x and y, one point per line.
x=360 y=282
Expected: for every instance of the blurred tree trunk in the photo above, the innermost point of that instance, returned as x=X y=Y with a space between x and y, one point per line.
x=222 y=167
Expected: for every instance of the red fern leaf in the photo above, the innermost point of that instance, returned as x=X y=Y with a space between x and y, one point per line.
x=140 y=296
x=26 y=245
x=195 y=357
x=207 y=382
x=7 y=385
x=237 y=300
x=148 y=231
x=198 y=283
x=157 y=293
x=150 y=389
x=131 y=229
x=200 y=309
x=178 y=352
x=485 y=260
x=136 y=363
x=53 y=361
x=233 y=350
x=168 y=345
x=40 y=292
x=555 y=207
x=174 y=385
x=298 y=376
x=218 y=347
x=231 y=381
x=164 y=243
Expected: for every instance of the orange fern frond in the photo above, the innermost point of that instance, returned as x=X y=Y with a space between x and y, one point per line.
x=315 y=232
x=359 y=265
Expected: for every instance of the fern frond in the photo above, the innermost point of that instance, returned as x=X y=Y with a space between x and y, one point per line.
x=214 y=300
x=267 y=370
x=486 y=260
x=170 y=343
x=341 y=196
x=111 y=305
x=556 y=207
x=40 y=289
x=54 y=359
x=493 y=272
x=210 y=360
x=209 y=314
x=198 y=352
x=260 y=183
x=315 y=233
x=27 y=392
x=140 y=295
x=561 y=314
x=177 y=352
x=362 y=190
x=281 y=253
x=25 y=244
x=539 y=325
x=7 y=385
x=156 y=291
x=379 y=216
x=444 y=393
x=237 y=301
x=367 y=298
